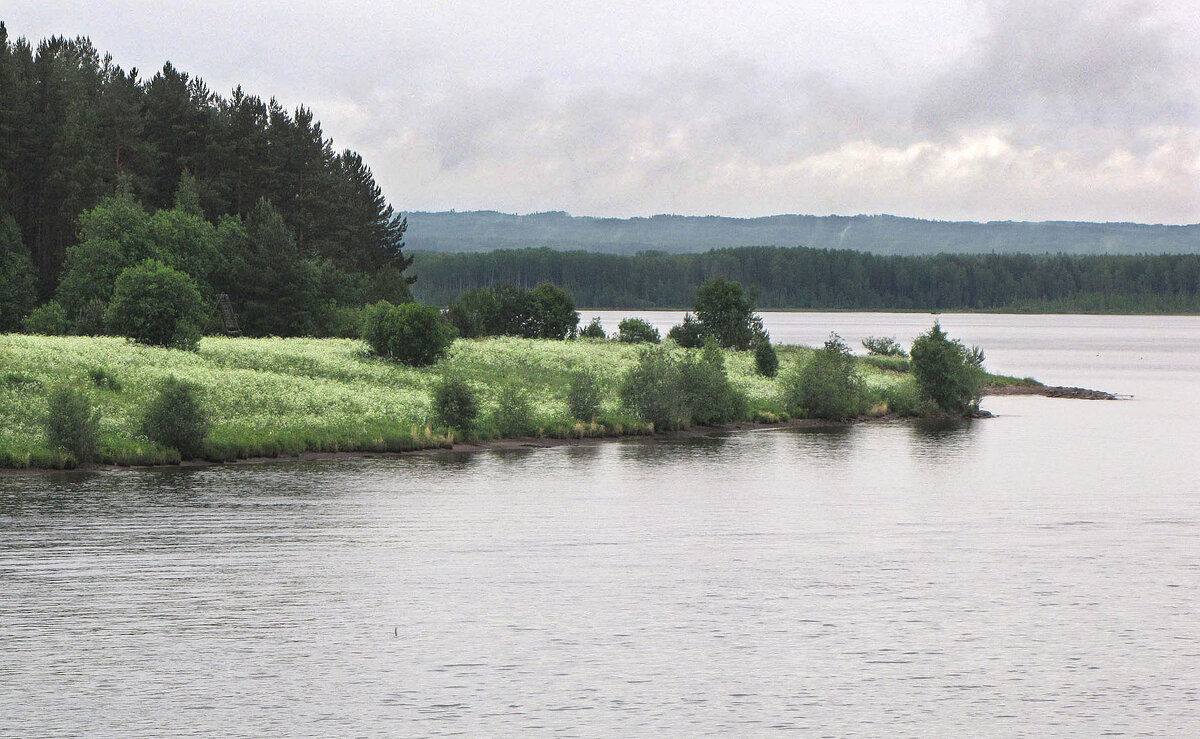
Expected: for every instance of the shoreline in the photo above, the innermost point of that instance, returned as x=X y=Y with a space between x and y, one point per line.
x=535 y=442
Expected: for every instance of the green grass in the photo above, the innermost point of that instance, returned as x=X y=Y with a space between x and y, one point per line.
x=271 y=397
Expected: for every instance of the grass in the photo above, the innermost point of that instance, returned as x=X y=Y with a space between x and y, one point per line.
x=272 y=397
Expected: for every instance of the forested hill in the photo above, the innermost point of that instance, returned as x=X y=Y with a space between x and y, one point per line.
x=472 y=231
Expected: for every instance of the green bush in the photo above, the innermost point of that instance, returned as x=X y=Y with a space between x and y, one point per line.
x=156 y=305
x=175 y=418
x=653 y=391
x=766 y=361
x=552 y=313
x=637 y=331
x=584 y=396
x=455 y=405
x=593 y=330
x=726 y=314
x=512 y=416
x=945 y=372
x=708 y=394
x=408 y=333
x=47 y=320
x=883 y=346
x=890 y=364
x=689 y=334
x=827 y=386
x=72 y=424
x=103 y=379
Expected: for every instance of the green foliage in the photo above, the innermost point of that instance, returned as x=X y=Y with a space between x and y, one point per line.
x=546 y=312
x=726 y=314
x=890 y=364
x=689 y=334
x=593 y=330
x=17 y=295
x=176 y=419
x=766 y=360
x=584 y=396
x=552 y=313
x=104 y=379
x=409 y=333
x=945 y=373
x=637 y=331
x=455 y=404
x=883 y=346
x=708 y=395
x=156 y=305
x=72 y=423
x=512 y=415
x=827 y=386
x=653 y=391
x=47 y=320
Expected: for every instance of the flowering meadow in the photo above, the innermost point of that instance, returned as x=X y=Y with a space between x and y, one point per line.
x=270 y=397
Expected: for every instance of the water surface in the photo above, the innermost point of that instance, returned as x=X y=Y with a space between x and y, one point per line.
x=1035 y=573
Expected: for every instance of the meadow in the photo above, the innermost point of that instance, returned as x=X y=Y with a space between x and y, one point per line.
x=272 y=397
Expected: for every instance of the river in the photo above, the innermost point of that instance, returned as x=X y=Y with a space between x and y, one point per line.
x=1036 y=573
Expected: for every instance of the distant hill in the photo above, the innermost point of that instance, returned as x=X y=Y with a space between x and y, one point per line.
x=474 y=231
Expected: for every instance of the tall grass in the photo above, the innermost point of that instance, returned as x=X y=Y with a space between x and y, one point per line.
x=271 y=397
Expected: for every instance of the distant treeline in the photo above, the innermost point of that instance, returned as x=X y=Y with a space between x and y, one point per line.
x=76 y=128
x=823 y=279
x=473 y=231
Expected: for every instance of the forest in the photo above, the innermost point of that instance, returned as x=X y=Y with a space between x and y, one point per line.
x=826 y=279
x=99 y=166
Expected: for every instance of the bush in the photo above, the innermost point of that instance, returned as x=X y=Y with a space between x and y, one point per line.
x=175 y=418
x=945 y=373
x=827 y=386
x=455 y=405
x=104 y=380
x=408 y=333
x=708 y=394
x=652 y=390
x=584 y=396
x=766 y=361
x=72 y=424
x=552 y=313
x=512 y=416
x=474 y=314
x=545 y=312
x=156 y=305
x=593 y=330
x=637 y=331
x=47 y=320
x=883 y=346
x=689 y=334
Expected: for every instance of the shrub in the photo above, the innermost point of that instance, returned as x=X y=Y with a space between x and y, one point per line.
x=766 y=361
x=890 y=364
x=637 y=331
x=47 y=320
x=175 y=418
x=72 y=424
x=826 y=386
x=408 y=333
x=883 y=346
x=708 y=394
x=552 y=313
x=103 y=379
x=593 y=330
x=545 y=312
x=584 y=396
x=512 y=416
x=474 y=313
x=689 y=334
x=945 y=373
x=455 y=405
x=652 y=390
x=156 y=305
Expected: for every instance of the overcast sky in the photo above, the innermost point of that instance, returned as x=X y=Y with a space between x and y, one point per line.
x=948 y=109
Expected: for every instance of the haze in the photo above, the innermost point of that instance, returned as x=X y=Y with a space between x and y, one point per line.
x=941 y=109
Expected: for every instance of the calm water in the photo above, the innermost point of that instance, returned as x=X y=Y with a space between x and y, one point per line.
x=1034 y=574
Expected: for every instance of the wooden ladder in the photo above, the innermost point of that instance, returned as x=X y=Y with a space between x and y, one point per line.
x=227 y=316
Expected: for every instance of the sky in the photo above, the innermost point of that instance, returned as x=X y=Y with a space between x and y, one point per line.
x=945 y=109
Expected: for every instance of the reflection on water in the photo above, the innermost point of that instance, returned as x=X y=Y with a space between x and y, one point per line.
x=1032 y=574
